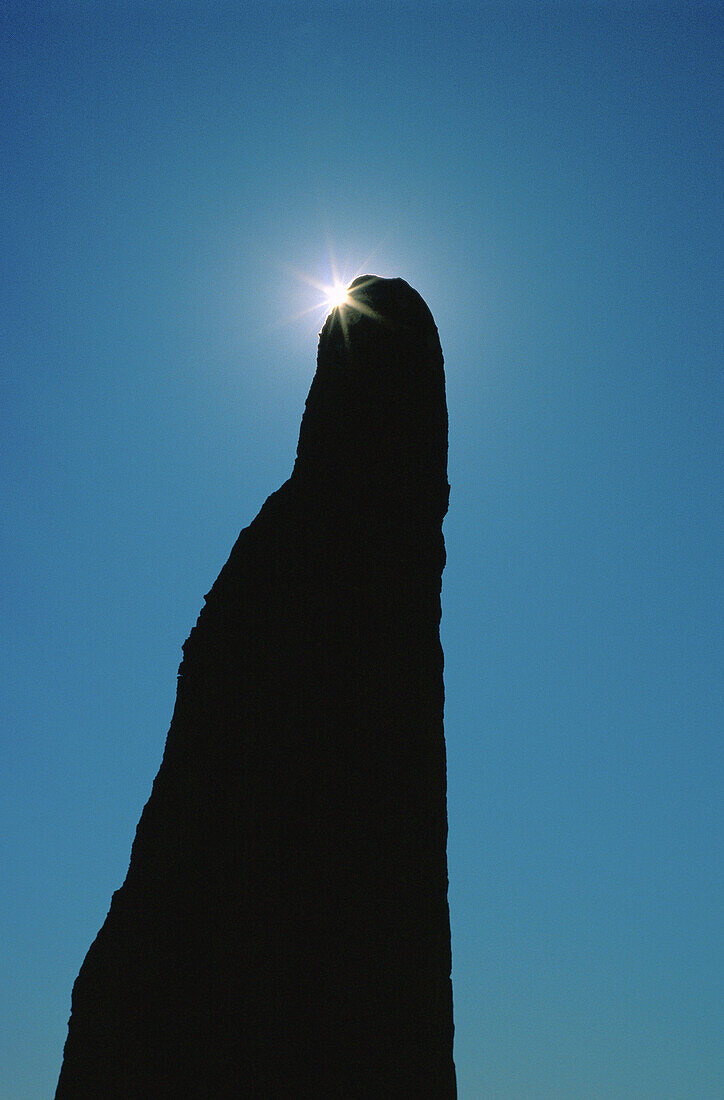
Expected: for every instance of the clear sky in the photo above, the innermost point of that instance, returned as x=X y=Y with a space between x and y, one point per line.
x=548 y=177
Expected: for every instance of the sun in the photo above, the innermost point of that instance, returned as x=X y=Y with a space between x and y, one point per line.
x=342 y=299
x=337 y=296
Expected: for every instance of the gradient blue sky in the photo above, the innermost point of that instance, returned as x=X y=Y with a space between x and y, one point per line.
x=548 y=177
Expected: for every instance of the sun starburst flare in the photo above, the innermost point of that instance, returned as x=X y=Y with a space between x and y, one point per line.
x=338 y=296
x=342 y=301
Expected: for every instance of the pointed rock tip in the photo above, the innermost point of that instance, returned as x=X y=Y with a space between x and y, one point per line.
x=376 y=416
x=392 y=302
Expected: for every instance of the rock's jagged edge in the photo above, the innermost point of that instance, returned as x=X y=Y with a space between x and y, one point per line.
x=283 y=929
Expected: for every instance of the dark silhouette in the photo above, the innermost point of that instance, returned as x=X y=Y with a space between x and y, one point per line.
x=283 y=930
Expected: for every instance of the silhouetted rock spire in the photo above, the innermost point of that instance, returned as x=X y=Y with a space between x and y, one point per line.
x=283 y=928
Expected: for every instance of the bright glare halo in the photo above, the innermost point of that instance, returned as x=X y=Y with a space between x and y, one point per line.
x=337 y=296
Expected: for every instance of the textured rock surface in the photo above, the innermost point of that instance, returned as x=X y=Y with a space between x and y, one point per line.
x=283 y=929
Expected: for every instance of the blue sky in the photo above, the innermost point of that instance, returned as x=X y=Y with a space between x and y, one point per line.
x=548 y=177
